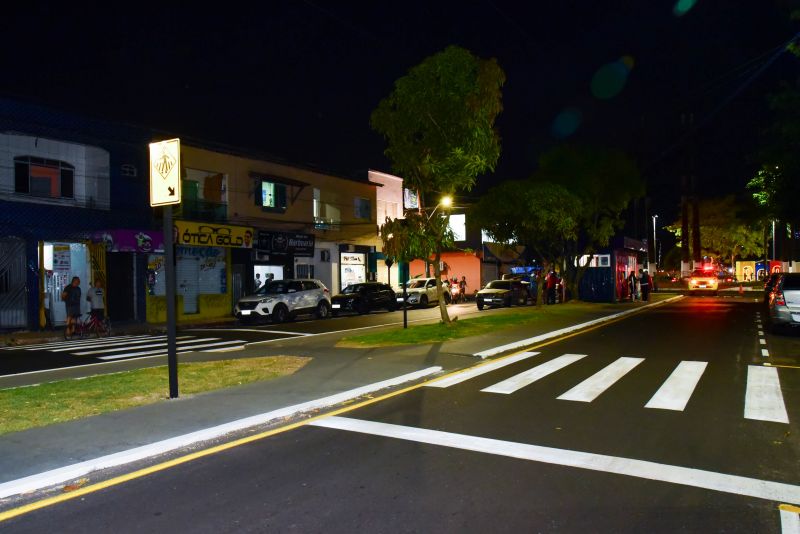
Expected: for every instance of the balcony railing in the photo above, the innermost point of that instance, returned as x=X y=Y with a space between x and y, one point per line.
x=203 y=210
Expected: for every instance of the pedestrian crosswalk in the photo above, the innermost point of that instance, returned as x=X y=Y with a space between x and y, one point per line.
x=763 y=396
x=122 y=347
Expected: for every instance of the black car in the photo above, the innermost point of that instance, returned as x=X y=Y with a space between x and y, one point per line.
x=364 y=297
x=502 y=293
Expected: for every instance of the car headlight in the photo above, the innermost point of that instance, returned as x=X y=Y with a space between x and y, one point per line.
x=265 y=300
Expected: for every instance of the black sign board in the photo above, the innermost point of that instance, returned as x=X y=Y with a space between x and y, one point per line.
x=301 y=245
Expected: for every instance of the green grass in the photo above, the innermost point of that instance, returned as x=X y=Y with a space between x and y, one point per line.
x=55 y=402
x=436 y=333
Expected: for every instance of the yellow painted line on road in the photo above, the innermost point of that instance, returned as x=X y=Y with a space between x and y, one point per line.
x=86 y=490
x=782 y=366
x=789 y=508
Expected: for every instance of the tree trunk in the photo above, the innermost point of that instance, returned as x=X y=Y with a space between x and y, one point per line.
x=438 y=273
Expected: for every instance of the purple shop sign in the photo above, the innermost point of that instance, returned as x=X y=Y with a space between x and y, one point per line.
x=130 y=240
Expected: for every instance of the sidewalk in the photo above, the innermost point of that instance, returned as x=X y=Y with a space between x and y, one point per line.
x=334 y=376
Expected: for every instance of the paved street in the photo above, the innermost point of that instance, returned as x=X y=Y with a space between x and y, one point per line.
x=665 y=421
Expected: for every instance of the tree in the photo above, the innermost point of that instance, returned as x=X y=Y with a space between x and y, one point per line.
x=438 y=123
x=725 y=231
x=523 y=212
x=605 y=182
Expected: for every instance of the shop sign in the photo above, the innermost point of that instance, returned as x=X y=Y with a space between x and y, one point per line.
x=130 y=240
x=62 y=261
x=300 y=245
x=212 y=235
x=352 y=259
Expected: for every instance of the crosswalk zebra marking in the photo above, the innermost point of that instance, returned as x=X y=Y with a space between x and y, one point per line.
x=62 y=343
x=479 y=370
x=532 y=375
x=674 y=394
x=184 y=349
x=763 y=399
x=134 y=342
x=592 y=387
x=150 y=346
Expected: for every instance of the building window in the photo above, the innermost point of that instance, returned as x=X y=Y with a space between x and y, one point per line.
x=128 y=170
x=271 y=196
x=363 y=208
x=44 y=177
x=317 y=204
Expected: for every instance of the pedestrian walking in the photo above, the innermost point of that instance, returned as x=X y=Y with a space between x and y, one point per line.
x=552 y=282
x=633 y=283
x=644 y=283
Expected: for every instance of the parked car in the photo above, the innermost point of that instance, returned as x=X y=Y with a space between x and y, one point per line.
x=363 y=298
x=422 y=292
x=701 y=280
x=769 y=285
x=784 y=302
x=282 y=300
x=502 y=293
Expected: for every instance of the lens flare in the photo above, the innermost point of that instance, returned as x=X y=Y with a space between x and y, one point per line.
x=610 y=79
x=567 y=122
x=682 y=7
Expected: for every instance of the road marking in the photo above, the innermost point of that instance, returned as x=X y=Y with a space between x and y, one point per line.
x=73 y=343
x=478 y=370
x=767 y=364
x=592 y=387
x=96 y=344
x=763 y=400
x=686 y=476
x=183 y=350
x=150 y=346
x=248 y=330
x=765 y=353
x=532 y=375
x=762 y=341
x=790 y=519
x=557 y=333
x=760 y=332
x=675 y=393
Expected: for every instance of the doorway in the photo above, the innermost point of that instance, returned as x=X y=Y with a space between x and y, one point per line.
x=120 y=287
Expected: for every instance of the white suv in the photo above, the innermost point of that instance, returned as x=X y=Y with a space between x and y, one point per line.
x=282 y=300
x=422 y=291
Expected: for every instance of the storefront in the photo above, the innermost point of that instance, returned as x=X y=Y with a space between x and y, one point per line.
x=203 y=262
x=353 y=264
x=282 y=255
x=60 y=262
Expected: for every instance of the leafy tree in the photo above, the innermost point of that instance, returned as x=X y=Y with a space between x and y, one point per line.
x=605 y=182
x=725 y=231
x=542 y=217
x=438 y=123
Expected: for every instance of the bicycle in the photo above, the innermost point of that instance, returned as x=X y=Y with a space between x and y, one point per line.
x=84 y=327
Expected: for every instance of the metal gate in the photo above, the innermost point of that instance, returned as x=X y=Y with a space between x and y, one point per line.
x=12 y=283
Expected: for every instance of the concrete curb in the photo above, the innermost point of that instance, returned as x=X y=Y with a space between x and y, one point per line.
x=556 y=333
x=71 y=472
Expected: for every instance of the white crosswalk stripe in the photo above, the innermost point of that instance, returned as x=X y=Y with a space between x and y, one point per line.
x=763 y=399
x=592 y=387
x=674 y=394
x=120 y=347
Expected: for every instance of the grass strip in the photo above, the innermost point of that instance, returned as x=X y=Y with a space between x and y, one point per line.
x=65 y=400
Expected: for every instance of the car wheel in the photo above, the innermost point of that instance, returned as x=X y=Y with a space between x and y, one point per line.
x=280 y=314
x=423 y=301
x=323 y=310
x=480 y=304
x=392 y=306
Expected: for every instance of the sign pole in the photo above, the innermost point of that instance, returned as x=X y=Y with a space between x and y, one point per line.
x=169 y=267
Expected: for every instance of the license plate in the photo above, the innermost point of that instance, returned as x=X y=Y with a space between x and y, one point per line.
x=399 y=299
x=246 y=312
x=336 y=306
x=702 y=286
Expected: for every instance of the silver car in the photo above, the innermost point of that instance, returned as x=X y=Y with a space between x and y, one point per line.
x=784 y=302
x=282 y=300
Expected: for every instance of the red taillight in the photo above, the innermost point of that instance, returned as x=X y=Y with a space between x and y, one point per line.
x=777 y=298
x=325 y=290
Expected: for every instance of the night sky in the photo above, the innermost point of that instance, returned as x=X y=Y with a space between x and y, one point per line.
x=299 y=79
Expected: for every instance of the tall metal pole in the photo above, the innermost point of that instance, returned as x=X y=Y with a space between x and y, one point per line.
x=405 y=298
x=169 y=267
x=655 y=248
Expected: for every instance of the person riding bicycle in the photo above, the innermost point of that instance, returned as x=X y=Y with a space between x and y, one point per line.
x=95 y=297
x=71 y=295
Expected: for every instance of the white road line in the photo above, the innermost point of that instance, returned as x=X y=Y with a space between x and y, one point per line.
x=557 y=333
x=686 y=476
x=764 y=400
x=70 y=472
x=790 y=521
x=118 y=343
x=592 y=387
x=532 y=375
x=73 y=343
x=760 y=332
x=479 y=370
x=186 y=348
x=762 y=341
x=765 y=353
x=150 y=346
x=674 y=394
x=248 y=330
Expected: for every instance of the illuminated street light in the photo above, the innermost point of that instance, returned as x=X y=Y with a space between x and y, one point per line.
x=446 y=202
x=655 y=245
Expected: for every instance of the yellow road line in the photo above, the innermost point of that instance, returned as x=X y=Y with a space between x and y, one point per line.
x=767 y=364
x=789 y=508
x=21 y=510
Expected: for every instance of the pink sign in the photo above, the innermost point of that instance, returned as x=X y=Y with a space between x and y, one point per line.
x=130 y=240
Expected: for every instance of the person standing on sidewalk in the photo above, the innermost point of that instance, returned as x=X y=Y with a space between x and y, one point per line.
x=95 y=298
x=632 y=283
x=644 y=282
x=71 y=295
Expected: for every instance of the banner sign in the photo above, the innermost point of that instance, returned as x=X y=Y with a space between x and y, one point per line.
x=130 y=240
x=301 y=245
x=212 y=235
x=165 y=172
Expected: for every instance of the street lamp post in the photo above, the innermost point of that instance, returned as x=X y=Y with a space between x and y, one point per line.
x=655 y=244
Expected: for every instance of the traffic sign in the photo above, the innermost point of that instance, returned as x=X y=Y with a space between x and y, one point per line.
x=165 y=172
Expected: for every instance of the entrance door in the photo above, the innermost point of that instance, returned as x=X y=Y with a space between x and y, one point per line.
x=120 y=287
x=12 y=283
x=188 y=274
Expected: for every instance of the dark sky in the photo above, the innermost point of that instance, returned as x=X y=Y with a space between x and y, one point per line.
x=299 y=79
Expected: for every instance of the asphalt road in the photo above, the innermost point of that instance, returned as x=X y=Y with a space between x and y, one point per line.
x=666 y=421
x=139 y=350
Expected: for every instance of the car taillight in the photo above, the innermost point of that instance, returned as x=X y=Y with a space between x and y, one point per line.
x=777 y=297
x=325 y=290
x=694 y=282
